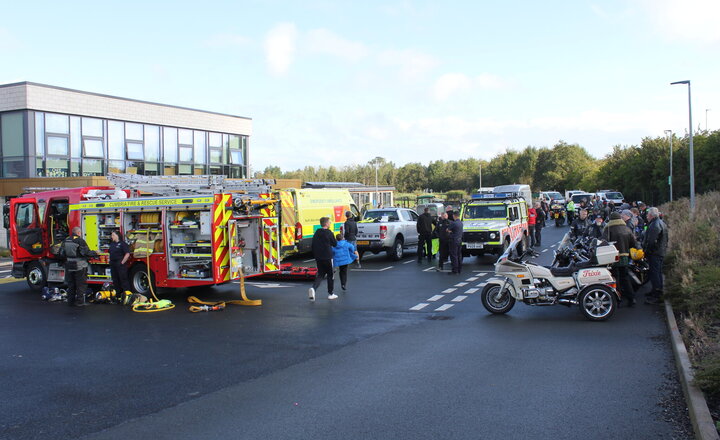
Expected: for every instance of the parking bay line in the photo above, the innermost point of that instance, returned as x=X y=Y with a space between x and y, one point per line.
x=482 y=284
x=450 y=290
x=419 y=306
x=472 y=279
x=444 y=307
x=408 y=261
x=435 y=297
x=459 y=298
x=461 y=284
x=429 y=269
x=481 y=274
x=545 y=250
x=372 y=270
x=473 y=290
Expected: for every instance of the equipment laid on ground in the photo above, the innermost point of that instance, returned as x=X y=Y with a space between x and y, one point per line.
x=582 y=279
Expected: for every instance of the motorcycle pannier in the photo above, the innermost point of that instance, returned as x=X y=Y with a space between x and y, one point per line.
x=606 y=255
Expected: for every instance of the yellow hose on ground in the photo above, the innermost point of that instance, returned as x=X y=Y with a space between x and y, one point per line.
x=221 y=304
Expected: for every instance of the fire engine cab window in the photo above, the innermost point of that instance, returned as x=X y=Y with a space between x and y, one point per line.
x=25 y=216
x=485 y=211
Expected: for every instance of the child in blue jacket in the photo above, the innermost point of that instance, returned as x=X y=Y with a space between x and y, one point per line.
x=343 y=254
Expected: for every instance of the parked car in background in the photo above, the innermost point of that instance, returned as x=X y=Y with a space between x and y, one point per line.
x=552 y=197
x=390 y=230
x=611 y=196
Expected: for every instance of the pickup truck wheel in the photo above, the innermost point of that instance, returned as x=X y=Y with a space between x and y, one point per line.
x=396 y=252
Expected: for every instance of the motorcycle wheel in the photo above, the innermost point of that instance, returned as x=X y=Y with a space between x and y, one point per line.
x=495 y=301
x=597 y=302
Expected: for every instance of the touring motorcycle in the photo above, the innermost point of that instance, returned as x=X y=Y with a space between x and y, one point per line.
x=585 y=281
x=557 y=212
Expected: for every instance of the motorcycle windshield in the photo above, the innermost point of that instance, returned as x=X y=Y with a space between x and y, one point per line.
x=513 y=250
x=565 y=242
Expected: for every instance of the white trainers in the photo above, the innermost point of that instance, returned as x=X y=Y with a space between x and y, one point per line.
x=311 y=294
x=333 y=296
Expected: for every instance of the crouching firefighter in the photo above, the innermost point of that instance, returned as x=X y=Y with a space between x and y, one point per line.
x=76 y=265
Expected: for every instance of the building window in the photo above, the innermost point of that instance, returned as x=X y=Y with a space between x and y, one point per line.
x=152 y=143
x=116 y=166
x=92 y=127
x=133 y=131
x=200 y=146
x=13 y=167
x=75 y=137
x=93 y=148
x=186 y=154
x=39 y=134
x=57 y=146
x=55 y=123
x=12 y=127
x=170 y=145
x=185 y=169
x=185 y=137
x=116 y=140
x=92 y=167
x=236 y=157
x=57 y=167
x=215 y=155
x=135 y=151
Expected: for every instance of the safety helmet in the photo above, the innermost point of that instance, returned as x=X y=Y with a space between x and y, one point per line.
x=637 y=254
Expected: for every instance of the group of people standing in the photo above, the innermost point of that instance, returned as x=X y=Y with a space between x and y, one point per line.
x=334 y=250
x=448 y=229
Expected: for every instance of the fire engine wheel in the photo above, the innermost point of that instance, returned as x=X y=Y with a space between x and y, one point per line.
x=35 y=276
x=597 y=303
x=396 y=252
x=139 y=280
x=495 y=301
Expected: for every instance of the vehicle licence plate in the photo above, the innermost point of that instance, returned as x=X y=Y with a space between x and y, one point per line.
x=474 y=245
x=363 y=242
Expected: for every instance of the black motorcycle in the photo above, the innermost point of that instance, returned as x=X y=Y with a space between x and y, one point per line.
x=557 y=212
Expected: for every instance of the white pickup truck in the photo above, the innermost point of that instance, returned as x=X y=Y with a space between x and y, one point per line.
x=388 y=229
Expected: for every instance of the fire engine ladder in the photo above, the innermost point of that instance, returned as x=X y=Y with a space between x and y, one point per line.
x=179 y=185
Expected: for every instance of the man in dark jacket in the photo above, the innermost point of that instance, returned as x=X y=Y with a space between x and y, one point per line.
x=580 y=225
x=424 y=227
x=443 y=235
x=618 y=232
x=455 y=244
x=350 y=230
x=539 y=222
x=655 y=246
x=76 y=252
x=322 y=243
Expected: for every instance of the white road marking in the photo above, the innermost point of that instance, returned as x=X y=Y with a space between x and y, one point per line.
x=428 y=269
x=307 y=261
x=459 y=298
x=481 y=274
x=482 y=284
x=264 y=285
x=408 y=261
x=460 y=284
x=373 y=270
x=444 y=307
x=450 y=290
x=419 y=306
x=553 y=245
x=435 y=298
x=473 y=290
x=472 y=279
x=545 y=250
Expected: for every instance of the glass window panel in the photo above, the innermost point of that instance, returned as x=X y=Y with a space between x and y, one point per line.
x=40 y=134
x=226 y=143
x=184 y=169
x=215 y=140
x=134 y=131
x=215 y=155
x=13 y=167
x=134 y=168
x=236 y=157
x=186 y=154
x=200 y=144
x=169 y=170
x=215 y=171
x=55 y=123
x=57 y=146
x=116 y=140
x=12 y=134
x=39 y=167
x=74 y=167
x=185 y=137
x=116 y=166
x=234 y=141
x=93 y=148
x=75 y=144
x=152 y=142
x=151 y=166
x=57 y=167
x=135 y=151
x=92 y=127
x=91 y=167
x=199 y=170
x=170 y=144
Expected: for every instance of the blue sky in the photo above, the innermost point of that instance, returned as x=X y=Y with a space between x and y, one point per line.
x=339 y=82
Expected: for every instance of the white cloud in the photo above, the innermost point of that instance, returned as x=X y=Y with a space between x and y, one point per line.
x=692 y=20
x=412 y=64
x=280 y=46
x=452 y=83
x=327 y=42
x=226 y=40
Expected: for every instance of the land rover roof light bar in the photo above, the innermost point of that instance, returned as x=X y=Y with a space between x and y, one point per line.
x=496 y=196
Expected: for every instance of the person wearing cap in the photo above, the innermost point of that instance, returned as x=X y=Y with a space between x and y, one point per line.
x=618 y=233
x=596 y=228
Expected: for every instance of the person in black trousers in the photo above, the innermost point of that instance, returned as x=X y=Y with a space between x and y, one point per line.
x=444 y=239
x=323 y=243
x=539 y=222
x=455 y=244
x=350 y=231
x=76 y=252
x=119 y=255
x=424 y=228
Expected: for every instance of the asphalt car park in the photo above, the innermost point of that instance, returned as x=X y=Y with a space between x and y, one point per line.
x=374 y=363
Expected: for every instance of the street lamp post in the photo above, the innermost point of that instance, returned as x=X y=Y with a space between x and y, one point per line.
x=669 y=134
x=692 y=160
